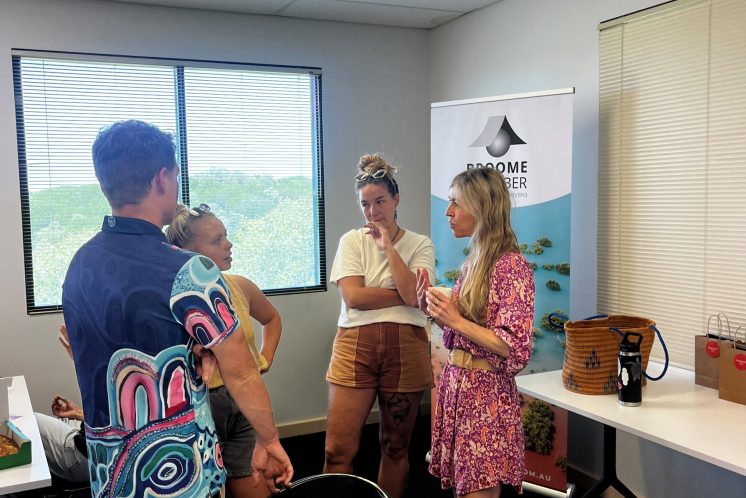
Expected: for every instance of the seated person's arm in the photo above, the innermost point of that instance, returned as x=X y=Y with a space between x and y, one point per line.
x=64 y=408
x=357 y=296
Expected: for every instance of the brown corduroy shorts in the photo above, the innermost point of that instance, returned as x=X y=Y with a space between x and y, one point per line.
x=389 y=357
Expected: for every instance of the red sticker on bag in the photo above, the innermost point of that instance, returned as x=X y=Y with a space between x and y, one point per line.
x=740 y=361
x=713 y=349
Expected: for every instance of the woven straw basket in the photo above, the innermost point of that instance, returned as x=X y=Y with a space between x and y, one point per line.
x=591 y=349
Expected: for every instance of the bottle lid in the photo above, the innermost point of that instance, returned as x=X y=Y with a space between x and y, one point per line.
x=628 y=347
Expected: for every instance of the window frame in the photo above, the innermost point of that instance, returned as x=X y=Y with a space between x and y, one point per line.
x=181 y=139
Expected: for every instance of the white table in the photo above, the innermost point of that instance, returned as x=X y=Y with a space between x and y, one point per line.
x=36 y=474
x=675 y=413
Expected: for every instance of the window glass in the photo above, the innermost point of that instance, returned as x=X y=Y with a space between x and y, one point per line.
x=249 y=146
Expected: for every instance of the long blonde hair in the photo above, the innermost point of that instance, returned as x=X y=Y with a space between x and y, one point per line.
x=483 y=193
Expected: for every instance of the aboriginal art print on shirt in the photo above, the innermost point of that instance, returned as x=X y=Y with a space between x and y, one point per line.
x=161 y=440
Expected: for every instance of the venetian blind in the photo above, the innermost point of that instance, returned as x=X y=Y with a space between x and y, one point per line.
x=249 y=142
x=672 y=182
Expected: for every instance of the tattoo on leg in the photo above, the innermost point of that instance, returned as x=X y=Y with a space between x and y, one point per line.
x=399 y=406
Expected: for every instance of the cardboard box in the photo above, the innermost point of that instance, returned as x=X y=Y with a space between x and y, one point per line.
x=5 y=383
x=23 y=456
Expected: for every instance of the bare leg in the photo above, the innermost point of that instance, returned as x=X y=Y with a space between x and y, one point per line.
x=348 y=410
x=398 y=416
x=246 y=487
x=483 y=493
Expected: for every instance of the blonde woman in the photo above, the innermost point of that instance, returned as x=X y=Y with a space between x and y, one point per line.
x=199 y=230
x=381 y=348
x=477 y=436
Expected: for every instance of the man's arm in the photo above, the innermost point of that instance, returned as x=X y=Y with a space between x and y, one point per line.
x=244 y=382
x=242 y=379
x=208 y=317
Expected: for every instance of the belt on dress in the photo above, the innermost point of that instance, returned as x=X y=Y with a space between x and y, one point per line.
x=464 y=359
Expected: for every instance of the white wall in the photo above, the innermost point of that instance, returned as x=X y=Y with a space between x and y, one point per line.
x=378 y=83
x=519 y=46
x=375 y=98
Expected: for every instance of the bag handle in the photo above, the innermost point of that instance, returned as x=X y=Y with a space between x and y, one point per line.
x=707 y=329
x=720 y=316
x=735 y=337
x=712 y=341
x=720 y=333
x=663 y=344
x=559 y=325
x=665 y=352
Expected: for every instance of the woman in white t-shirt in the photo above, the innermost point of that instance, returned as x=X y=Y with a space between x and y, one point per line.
x=381 y=347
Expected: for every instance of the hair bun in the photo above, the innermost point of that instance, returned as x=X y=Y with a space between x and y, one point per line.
x=370 y=163
x=181 y=210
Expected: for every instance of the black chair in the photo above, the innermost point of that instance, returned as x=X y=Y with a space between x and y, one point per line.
x=333 y=486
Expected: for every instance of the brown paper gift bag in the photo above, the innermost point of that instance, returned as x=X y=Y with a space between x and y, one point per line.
x=733 y=371
x=707 y=350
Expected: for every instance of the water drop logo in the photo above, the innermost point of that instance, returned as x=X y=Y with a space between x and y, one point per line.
x=497 y=136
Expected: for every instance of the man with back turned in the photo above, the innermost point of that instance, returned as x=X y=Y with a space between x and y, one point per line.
x=137 y=309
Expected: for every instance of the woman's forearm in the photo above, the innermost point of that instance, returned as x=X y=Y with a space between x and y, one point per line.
x=271 y=332
x=404 y=279
x=483 y=336
x=372 y=298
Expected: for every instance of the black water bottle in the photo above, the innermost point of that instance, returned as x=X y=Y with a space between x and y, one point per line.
x=629 y=382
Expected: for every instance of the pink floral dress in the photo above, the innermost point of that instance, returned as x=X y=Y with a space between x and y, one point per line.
x=477 y=438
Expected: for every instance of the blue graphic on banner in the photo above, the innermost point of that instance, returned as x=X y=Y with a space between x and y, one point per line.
x=544 y=235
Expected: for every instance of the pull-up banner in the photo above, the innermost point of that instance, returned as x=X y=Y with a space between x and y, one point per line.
x=528 y=138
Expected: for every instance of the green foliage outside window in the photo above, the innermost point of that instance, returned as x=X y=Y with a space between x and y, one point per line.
x=269 y=220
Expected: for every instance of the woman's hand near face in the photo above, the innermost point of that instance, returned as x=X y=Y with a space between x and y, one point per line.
x=404 y=278
x=380 y=235
x=443 y=309
x=423 y=283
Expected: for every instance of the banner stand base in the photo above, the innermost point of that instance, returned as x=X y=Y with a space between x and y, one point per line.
x=541 y=490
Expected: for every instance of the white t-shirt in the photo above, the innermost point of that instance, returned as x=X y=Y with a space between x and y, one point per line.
x=358 y=255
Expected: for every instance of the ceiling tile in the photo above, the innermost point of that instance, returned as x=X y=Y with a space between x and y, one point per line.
x=368 y=13
x=247 y=6
x=462 y=6
x=403 y=13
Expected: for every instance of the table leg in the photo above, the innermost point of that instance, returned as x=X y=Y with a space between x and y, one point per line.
x=609 y=478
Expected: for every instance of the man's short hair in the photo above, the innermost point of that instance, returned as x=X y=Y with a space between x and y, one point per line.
x=126 y=157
